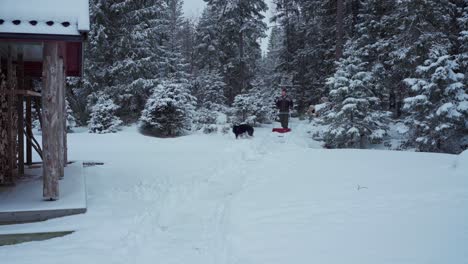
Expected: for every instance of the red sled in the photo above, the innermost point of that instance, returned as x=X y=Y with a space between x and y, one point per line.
x=281 y=130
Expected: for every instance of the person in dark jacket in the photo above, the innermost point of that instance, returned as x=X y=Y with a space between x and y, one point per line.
x=284 y=104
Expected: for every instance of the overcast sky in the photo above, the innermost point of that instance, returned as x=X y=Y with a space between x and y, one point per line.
x=193 y=9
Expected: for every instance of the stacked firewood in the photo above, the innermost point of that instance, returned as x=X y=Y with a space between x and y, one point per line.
x=8 y=127
x=4 y=163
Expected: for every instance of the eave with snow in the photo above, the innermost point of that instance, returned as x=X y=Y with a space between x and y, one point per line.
x=28 y=24
x=39 y=40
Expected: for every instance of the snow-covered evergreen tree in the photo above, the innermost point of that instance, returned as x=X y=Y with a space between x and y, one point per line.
x=463 y=39
x=355 y=119
x=207 y=50
x=307 y=54
x=208 y=88
x=169 y=111
x=244 y=108
x=254 y=107
x=176 y=67
x=138 y=54
x=71 y=120
x=103 y=116
x=267 y=69
x=439 y=105
x=187 y=37
x=239 y=27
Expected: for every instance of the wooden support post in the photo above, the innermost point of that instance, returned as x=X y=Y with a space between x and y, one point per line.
x=50 y=121
x=60 y=115
x=64 y=111
x=63 y=105
x=20 y=107
x=28 y=125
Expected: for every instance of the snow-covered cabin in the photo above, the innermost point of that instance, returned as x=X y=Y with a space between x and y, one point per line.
x=39 y=40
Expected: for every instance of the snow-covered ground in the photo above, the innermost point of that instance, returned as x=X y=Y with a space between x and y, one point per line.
x=213 y=199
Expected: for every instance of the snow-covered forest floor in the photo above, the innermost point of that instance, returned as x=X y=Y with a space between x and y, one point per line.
x=213 y=199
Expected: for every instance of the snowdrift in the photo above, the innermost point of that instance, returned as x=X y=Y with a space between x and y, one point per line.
x=461 y=165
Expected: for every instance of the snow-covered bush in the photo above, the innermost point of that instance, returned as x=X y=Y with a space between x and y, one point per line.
x=169 y=111
x=226 y=129
x=321 y=109
x=103 y=119
x=205 y=120
x=252 y=109
x=204 y=116
x=355 y=119
x=461 y=164
x=209 y=121
x=210 y=129
x=438 y=106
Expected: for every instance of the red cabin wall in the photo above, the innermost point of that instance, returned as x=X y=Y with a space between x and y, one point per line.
x=72 y=53
x=74 y=59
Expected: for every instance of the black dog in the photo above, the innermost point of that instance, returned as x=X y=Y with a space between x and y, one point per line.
x=241 y=129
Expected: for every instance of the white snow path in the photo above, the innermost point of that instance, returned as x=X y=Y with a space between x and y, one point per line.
x=213 y=199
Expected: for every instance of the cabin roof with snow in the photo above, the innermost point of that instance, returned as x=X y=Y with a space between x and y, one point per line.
x=25 y=25
x=44 y=17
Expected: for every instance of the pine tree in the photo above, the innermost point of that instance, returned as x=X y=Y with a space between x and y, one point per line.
x=176 y=67
x=141 y=26
x=438 y=102
x=103 y=115
x=209 y=88
x=239 y=25
x=169 y=111
x=254 y=107
x=307 y=55
x=187 y=37
x=462 y=38
x=207 y=50
x=268 y=64
x=71 y=120
x=355 y=119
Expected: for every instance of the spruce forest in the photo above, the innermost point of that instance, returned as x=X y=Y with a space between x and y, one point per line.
x=370 y=68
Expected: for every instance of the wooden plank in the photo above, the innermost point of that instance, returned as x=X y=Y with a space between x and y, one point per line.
x=30 y=138
x=20 y=107
x=50 y=122
x=27 y=93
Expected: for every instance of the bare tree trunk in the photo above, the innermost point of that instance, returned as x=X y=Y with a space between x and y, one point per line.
x=339 y=29
x=50 y=121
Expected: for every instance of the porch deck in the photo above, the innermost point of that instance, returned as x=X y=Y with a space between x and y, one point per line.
x=23 y=202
